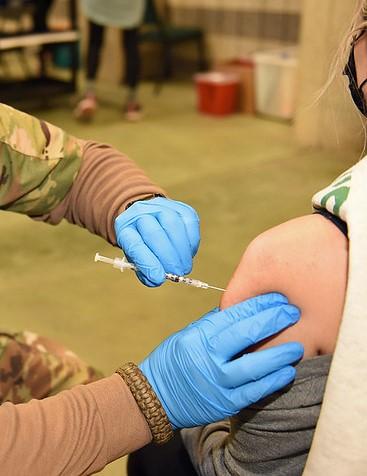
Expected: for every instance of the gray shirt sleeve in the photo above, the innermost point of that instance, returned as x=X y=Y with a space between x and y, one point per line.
x=272 y=437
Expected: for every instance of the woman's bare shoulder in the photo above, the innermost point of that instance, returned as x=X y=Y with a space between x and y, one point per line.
x=306 y=259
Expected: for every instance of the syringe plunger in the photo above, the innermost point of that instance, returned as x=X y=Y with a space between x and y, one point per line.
x=119 y=263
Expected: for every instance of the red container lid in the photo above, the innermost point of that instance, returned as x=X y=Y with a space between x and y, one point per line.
x=217 y=77
x=248 y=62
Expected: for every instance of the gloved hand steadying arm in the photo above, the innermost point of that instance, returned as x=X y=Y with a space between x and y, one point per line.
x=193 y=373
x=159 y=236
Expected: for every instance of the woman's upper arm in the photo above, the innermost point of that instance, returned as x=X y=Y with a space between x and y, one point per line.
x=306 y=259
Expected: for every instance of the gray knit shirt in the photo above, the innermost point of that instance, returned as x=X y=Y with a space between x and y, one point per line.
x=272 y=437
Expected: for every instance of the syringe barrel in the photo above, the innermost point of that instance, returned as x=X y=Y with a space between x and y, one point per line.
x=173 y=277
x=121 y=263
x=197 y=283
x=188 y=281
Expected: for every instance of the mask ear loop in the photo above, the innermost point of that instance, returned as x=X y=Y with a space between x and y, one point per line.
x=363 y=100
x=350 y=67
x=362 y=85
x=350 y=72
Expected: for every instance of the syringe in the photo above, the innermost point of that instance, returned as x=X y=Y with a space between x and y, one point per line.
x=122 y=263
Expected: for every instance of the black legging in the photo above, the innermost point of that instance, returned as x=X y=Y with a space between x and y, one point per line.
x=130 y=44
x=166 y=460
x=41 y=9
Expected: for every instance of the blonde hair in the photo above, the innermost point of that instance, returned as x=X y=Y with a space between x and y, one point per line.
x=340 y=60
x=358 y=24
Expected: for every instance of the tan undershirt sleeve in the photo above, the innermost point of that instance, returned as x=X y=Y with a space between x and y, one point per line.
x=74 y=433
x=107 y=181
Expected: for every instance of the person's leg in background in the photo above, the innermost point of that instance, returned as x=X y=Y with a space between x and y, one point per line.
x=41 y=10
x=130 y=40
x=40 y=17
x=36 y=367
x=87 y=106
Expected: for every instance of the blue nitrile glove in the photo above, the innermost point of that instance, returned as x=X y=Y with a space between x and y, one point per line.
x=159 y=236
x=194 y=376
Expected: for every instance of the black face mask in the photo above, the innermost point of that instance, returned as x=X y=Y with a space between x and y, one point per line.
x=356 y=92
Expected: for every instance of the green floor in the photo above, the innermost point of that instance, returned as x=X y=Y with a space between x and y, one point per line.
x=241 y=174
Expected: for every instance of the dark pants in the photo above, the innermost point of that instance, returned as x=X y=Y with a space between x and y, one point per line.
x=130 y=45
x=170 y=459
x=41 y=10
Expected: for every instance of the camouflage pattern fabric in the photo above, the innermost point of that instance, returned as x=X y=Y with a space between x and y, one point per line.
x=38 y=163
x=334 y=198
x=35 y=367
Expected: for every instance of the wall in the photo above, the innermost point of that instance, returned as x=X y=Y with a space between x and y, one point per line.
x=332 y=122
x=234 y=28
x=238 y=27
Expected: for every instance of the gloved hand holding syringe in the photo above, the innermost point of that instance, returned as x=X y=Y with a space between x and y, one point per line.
x=122 y=264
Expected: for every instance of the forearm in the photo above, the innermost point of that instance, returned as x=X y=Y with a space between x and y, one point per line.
x=107 y=181
x=49 y=175
x=76 y=432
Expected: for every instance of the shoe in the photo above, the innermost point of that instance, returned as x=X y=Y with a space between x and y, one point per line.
x=86 y=108
x=133 y=111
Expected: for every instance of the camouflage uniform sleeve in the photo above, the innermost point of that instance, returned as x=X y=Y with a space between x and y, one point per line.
x=38 y=163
